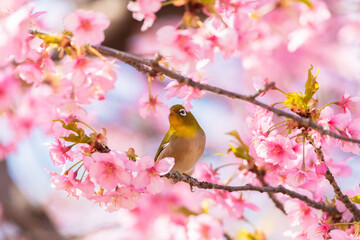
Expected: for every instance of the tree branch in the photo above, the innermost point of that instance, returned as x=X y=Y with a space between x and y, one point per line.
x=260 y=177
x=193 y=182
x=132 y=59
x=329 y=176
x=152 y=66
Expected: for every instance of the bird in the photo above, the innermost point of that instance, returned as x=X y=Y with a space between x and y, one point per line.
x=184 y=141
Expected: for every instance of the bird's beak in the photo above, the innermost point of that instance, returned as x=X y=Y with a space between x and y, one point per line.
x=172 y=117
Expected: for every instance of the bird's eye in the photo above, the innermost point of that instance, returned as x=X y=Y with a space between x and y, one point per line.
x=182 y=112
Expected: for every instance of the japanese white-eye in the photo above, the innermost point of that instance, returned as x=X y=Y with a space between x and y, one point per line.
x=184 y=141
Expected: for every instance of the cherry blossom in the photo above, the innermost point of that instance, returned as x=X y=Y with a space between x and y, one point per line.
x=352 y=130
x=86 y=188
x=87 y=26
x=179 y=46
x=205 y=172
x=259 y=83
x=297 y=177
x=276 y=149
x=175 y=89
x=120 y=198
x=30 y=73
x=259 y=120
x=346 y=103
x=320 y=169
x=59 y=152
x=14 y=31
x=234 y=203
x=150 y=104
x=277 y=39
x=145 y=10
x=108 y=169
x=337 y=234
x=67 y=182
x=149 y=173
x=204 y=227
x=300 y=214
x=346 y=214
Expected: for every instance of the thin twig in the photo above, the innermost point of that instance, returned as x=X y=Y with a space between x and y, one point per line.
x=273 y=198
x=260 y=91
x=152 y=67
x=193 y=182
x=227 y=236
x=329 y=176
x=131 y=59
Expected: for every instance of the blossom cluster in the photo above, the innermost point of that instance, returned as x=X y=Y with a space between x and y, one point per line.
x=276 y=152
x=110 y=178
x=285 y=150
x=33 y=84
x=273 y=39
x=122 y=180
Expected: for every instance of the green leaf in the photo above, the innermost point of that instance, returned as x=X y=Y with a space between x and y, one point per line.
x=72 y=126
x=185 y=211
x=81 y=136
x=245 y=235
x=77 y=138
x=242 y=151
x=306 y=2
x=311 y=86
x=237 y=136
x=301 y=103
x=207 y=2
x=209 y=5
x=355 y=199
x=295 y=99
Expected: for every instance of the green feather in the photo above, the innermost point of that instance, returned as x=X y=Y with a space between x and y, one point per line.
x=164 y=141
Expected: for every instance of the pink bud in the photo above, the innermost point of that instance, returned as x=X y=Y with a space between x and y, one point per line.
x=320 y=169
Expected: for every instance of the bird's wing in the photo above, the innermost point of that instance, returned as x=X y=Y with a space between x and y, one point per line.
x=163 y=145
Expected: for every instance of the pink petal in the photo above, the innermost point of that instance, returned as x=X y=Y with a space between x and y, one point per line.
x=141 y=181
x=125 y=177
x=71 y=22
x=164 y=165
x=156 y=185
x=145 y=163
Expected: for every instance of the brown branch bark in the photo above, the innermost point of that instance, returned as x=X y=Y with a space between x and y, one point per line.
x=330 y=177
x=33 y=222
x=154 y=66
x=260 y=177
x=193 y=182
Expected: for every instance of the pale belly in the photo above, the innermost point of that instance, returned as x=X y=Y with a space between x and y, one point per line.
x=186 y=151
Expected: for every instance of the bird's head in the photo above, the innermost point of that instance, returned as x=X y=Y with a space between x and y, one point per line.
x=181 y=120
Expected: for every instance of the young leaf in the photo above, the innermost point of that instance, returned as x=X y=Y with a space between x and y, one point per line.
x=311 y=86
x=81 y=137
x=356 y=199
x=295 y=99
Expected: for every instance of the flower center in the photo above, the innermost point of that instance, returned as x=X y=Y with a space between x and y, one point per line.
x=205 y=231
x=109 y=168
x=278 y=149
x=152 y=171
x=86 y=24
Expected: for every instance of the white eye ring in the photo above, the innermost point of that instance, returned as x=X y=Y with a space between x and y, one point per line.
x=182 y=112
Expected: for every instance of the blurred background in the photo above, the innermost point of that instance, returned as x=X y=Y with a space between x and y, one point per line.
x=39 y=212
